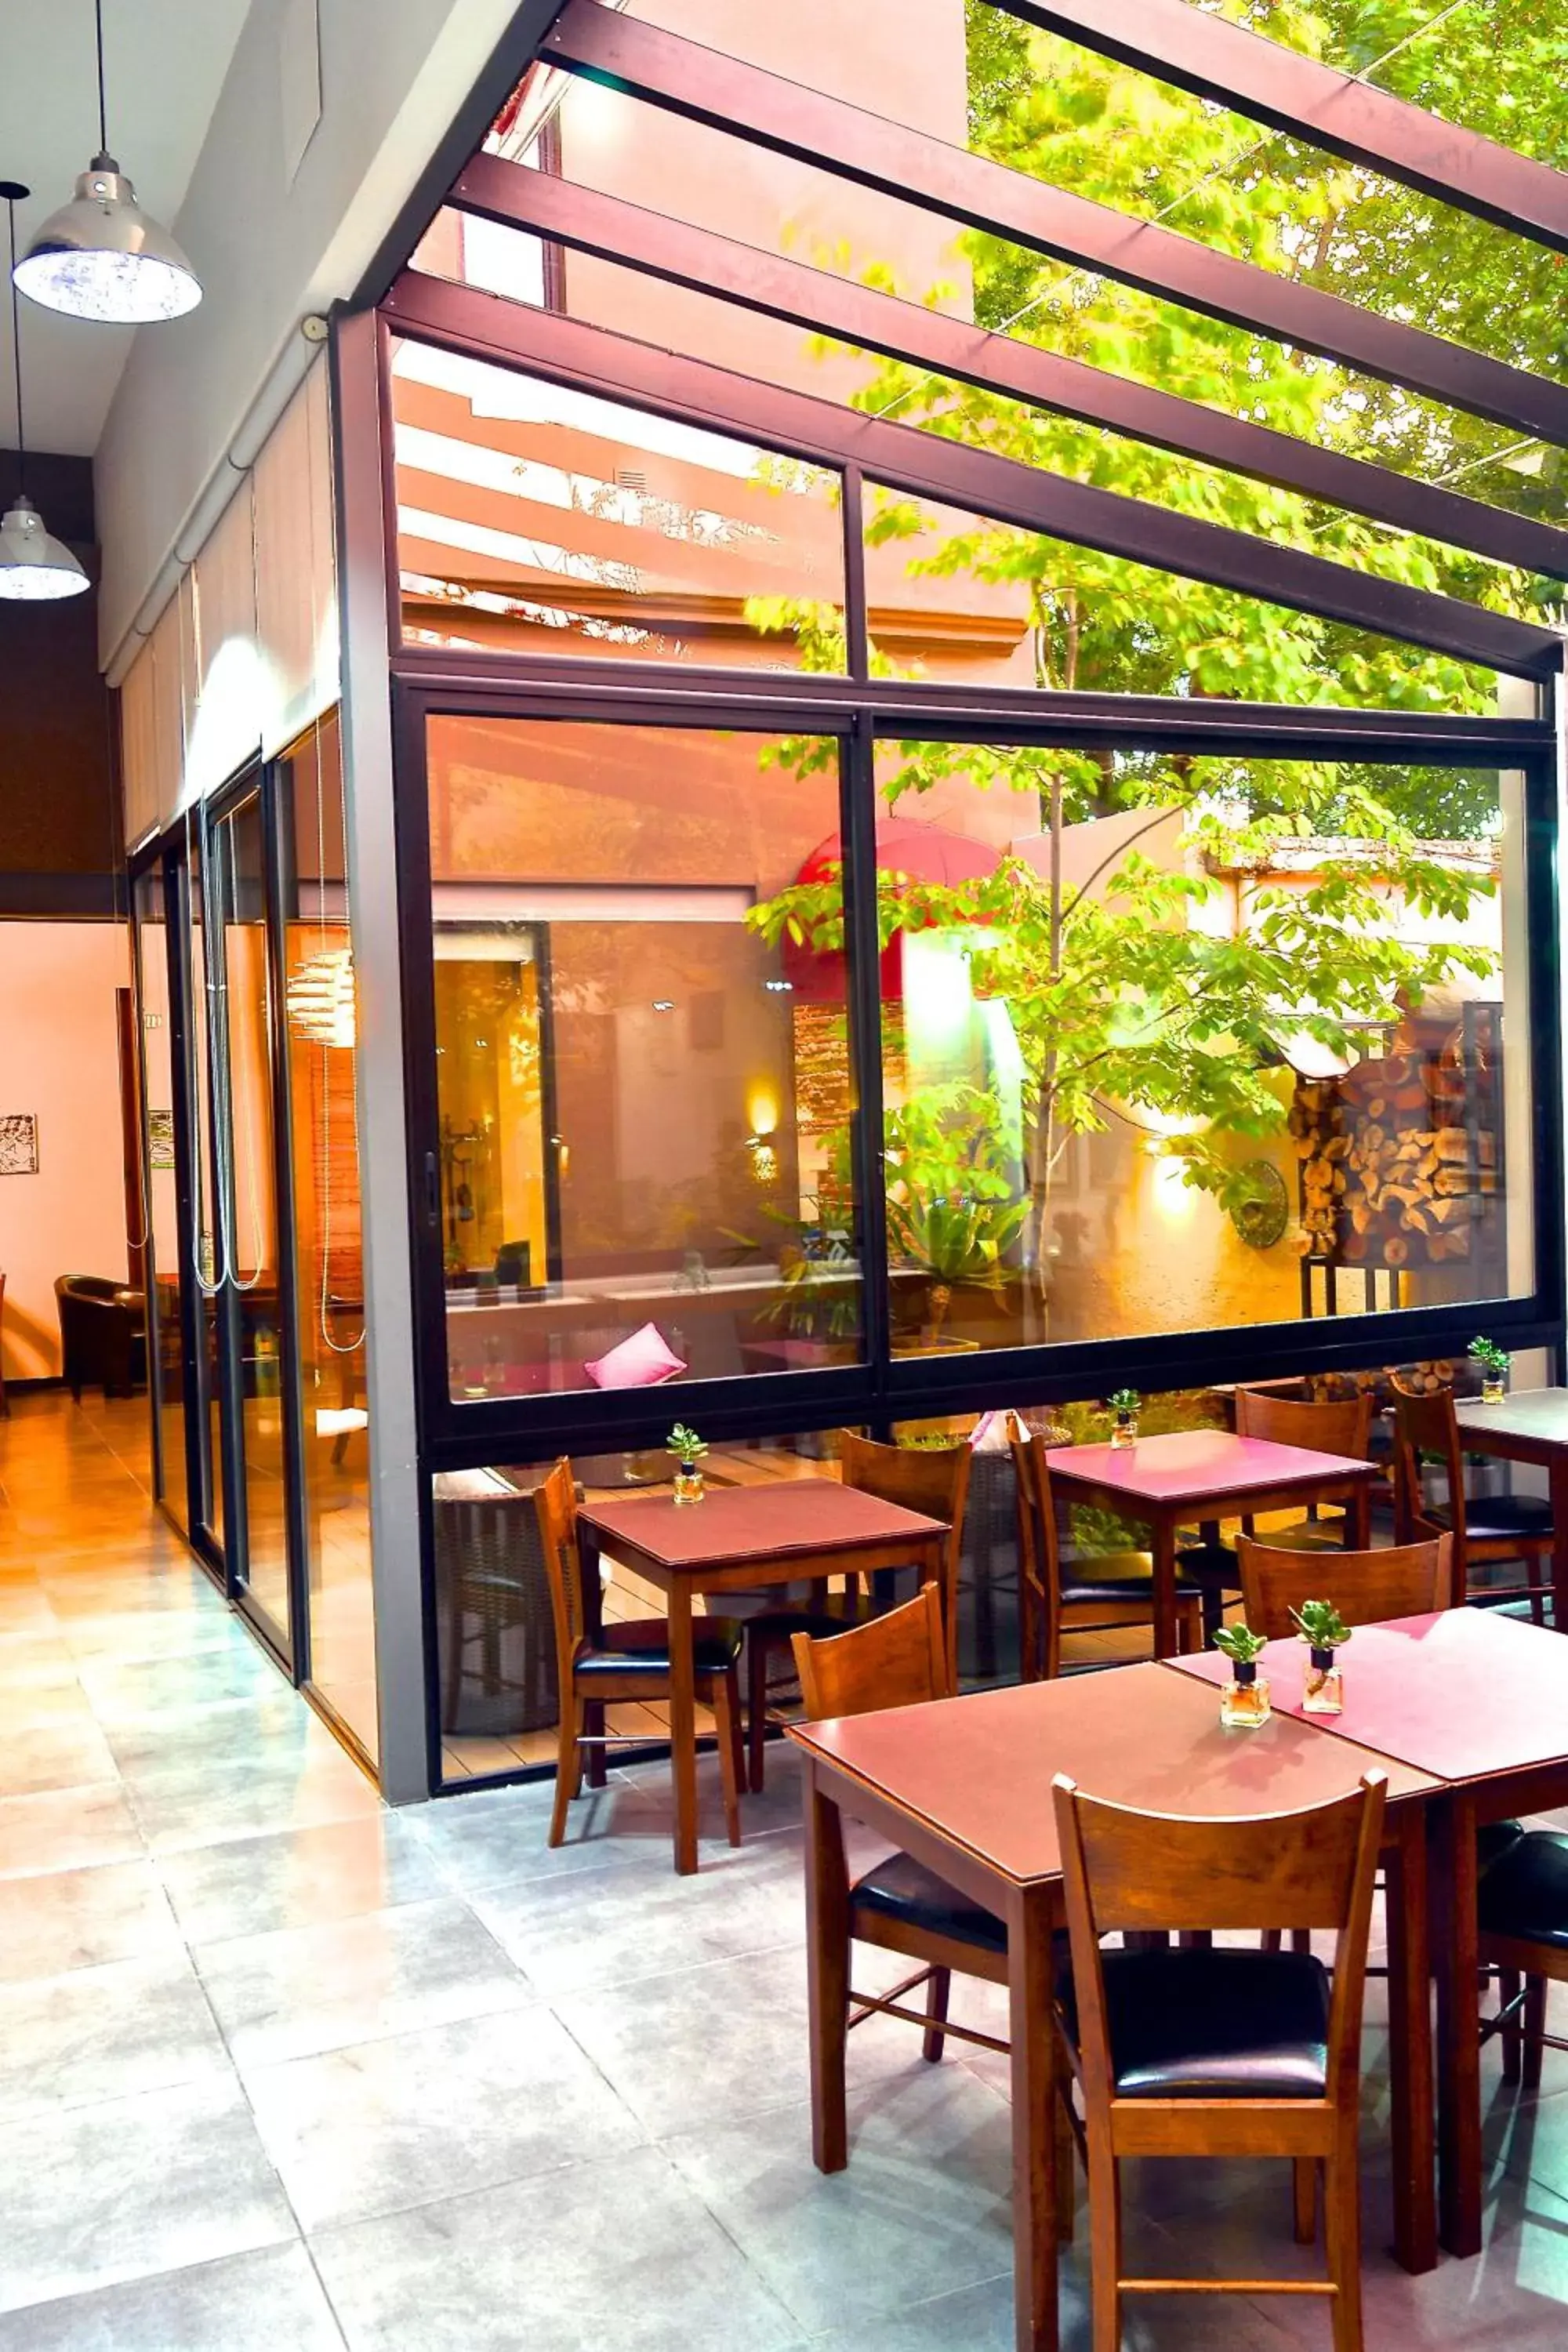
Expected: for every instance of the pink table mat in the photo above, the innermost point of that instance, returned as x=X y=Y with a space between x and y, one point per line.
x=1201 y=1463
x=760 y=1523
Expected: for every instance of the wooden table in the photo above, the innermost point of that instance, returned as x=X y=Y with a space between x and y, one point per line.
x=1480 y=1703
x=965 y=1786
x=1191 y=1474
x=737 y=1539
x=1529 y=1427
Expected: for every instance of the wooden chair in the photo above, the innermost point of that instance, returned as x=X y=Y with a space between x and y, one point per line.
x=1522 y=1906
x=1092 y=1596
x=1491 y=1528
x=1400 y=1581
x=493 y=1594
x=899 y=1659
x=629 y=1661
x=932 y=1479
x=1340 y=1427
x=1209 y=2052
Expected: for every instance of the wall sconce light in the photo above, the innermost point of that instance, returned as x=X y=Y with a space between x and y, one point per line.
x=663 y=1003
x=764 y=1159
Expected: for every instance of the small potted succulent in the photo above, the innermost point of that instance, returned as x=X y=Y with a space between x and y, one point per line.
x=1324 y=1630
x=1124 y=1404
x=1491 y=1362
x=688 y=1449
x=1243 y=1700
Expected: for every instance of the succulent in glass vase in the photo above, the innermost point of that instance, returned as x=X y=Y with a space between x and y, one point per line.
x=1324 y=1630
x=1124 y=1404
x=688 y=1449
x=1243 y=1700
x=1492 y=1362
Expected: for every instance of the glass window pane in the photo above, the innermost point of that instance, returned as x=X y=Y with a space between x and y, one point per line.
x=1172 y=1043
x=165 y=1339
x=329 y=1312
x=536 y=519
x=644 y=1094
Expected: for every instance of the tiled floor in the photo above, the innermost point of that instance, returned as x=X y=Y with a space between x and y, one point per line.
x=280 y=2071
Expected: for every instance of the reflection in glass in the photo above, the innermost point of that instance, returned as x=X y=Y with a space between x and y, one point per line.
x=537 y=519
x=329 y=1312
x=203 y=997
x=643 y=1089
x=247 y=1156
x=1174 y=1043
x=165 y=1339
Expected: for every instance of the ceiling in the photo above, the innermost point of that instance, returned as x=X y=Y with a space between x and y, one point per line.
x=164 y=61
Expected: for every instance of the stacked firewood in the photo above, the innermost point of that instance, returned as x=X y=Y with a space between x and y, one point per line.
x=1391 y=1175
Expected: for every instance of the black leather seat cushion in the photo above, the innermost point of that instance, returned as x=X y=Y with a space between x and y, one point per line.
x=902 y=1888
x=1114 y=1576
x=1209 y=1563
x=642 y=1646
x=1496 y=1516
x=1524 y=1889
x=1229 y=2024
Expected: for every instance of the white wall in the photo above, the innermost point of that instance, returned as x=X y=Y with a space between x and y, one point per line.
x=59 y=1059
x=273 y=245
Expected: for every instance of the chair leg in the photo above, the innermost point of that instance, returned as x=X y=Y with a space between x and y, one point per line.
x=1342 y=2231
x=1534 y=2030
x=1105 y=2247
x=939 y=1984
x=726 y=1703
x=1301 y=1939
x=1304 y=2177
x=568 y=1762
x=1512 y=2034
x=757 y=1647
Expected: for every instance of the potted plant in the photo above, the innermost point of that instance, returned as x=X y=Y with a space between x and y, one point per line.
x=688 y=1449
x=1324 y=1630
x=1491 y=1362
x=1243 y=1700
x=1124 y=1404
x=954 y=1209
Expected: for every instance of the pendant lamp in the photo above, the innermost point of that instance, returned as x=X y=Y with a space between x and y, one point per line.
x=33 y=566
x=101 y=256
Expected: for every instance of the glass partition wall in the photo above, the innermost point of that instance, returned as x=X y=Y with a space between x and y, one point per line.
x=256 y=1277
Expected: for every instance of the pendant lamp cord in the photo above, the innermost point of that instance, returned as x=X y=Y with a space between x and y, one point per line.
x=17 y=344
x=103 y=107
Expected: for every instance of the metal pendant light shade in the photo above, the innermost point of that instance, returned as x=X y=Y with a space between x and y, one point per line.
x=101 y=256
x=35 y=567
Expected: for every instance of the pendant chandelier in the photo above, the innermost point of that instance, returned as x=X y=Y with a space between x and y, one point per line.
x=101 y=255
x=321 y=998
x=34 y=567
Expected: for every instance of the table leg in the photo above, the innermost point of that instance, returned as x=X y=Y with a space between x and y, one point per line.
x=1410 y=2045
x=1557 y=1473
x=1033 y=2062
x=1162 y=1537
x=683 y=1724
x=944 y=1565
x=1455 y=1941
x=1358 y=1518
x=827 y=1974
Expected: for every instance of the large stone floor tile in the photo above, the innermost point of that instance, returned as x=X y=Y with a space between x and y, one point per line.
x=620 y=2253
x=64 y=1755
x=133 y=1635
x=104 y=2033
x=924 y=2205
x=297 y=1877
x=151 y=1688
x=90 y=2196
x=191 y=1805
x=611 y=1927
x=67 y=1828
x=424 y=2117
x=266 y=2302
x=233 y=1733
x=82 y=1918
x=498 y=1835
x=305 y=1990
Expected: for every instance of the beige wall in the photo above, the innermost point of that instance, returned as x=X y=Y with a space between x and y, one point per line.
x=58 y=1059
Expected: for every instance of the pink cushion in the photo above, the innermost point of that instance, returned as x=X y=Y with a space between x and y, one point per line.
x=639 y=1362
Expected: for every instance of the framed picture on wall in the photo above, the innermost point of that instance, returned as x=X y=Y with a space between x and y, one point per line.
x=18 y=1143
x=160 y=1138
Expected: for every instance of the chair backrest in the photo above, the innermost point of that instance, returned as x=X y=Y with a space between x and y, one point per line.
x=898 y=1659
x=1403 y=1581
x=1425 y=1424
x=1125 y=1869
x=554 y=1502
x=932 y=1479
x=1341 y=1427
x=1039 y=1556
